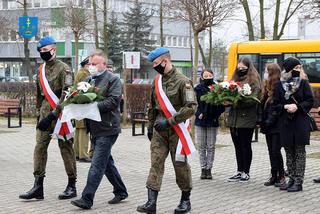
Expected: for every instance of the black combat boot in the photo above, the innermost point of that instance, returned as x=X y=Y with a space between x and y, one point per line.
x=150 y=206
x=185 y=204
x=287 y=185
x=70 y=191
x=208 y=174
x=296 y=187
x=272 y=180
x=36 y=191
x=203 y=174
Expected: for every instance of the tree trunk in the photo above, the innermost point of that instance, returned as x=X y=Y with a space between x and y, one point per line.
x=276 y=20
x=196 y=57
x=210 y=48
x=105 y=26
x=76 y=51
x=161 y=25
x=263 y=31
x=27 y=63
x=204 y=60
x=249 y=20
x=95 y=22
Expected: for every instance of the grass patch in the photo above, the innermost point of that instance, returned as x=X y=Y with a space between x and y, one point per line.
x=315 y=155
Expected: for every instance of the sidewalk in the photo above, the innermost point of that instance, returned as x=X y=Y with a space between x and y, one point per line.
x=132 y=158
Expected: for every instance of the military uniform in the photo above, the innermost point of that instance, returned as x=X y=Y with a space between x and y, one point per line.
x=180 y=92
x=81 y=137
x=59 y=77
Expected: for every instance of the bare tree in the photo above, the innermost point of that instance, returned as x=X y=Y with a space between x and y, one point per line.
x=105 y=26
x=161 y=23
x=202 y=14
x=95 y=22
x=78 y=20
x=278 y=29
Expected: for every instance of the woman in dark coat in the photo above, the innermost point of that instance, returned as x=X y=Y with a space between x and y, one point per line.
x=207 y=124
x=242 y=120
x=269 y=125
x=293 y=99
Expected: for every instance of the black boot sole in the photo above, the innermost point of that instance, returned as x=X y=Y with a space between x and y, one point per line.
x=181 y=212
x=80 y=206
x=62 y=197
x=140 y=210
x=38 y=198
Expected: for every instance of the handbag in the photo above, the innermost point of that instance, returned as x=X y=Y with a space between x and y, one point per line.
x=312 y=121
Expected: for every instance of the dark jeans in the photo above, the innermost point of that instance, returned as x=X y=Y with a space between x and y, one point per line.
x=242 y=138
x=103 y=164
x=275 y=156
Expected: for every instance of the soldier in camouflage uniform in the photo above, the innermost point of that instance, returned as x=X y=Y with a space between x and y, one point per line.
x=59 y=77
x=164 y=139
x=81 y=136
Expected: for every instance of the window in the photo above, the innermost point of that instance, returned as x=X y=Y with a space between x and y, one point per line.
x=36 y=3
x=13 y=35
x=254 y=58
x=54 y=3
x=4 y=4
x=61 y=2
x=174 y=41
x=45 y=3
x=12 y=4
x=311 y=66
x=169 y=41
x=88 y=4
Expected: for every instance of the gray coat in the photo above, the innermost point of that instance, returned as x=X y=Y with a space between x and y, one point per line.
x=110 y=86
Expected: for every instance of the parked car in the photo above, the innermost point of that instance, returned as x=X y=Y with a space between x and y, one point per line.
x=8 y=79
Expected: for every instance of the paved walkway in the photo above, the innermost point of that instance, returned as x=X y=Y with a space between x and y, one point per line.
x=133 y=160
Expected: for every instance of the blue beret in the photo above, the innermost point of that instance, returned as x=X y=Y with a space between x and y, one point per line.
x=156 y=53
x=48 y=40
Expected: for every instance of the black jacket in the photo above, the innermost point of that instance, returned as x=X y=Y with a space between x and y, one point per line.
x=110 y=86
x=294 y=127
x=211 y=113
x=267 y=118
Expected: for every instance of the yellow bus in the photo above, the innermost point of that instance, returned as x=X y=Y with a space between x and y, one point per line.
x=262 y=52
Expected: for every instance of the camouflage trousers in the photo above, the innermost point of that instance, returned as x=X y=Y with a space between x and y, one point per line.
x=40 y=155
x=81 y=143
x=160 y=147
x=296 y=162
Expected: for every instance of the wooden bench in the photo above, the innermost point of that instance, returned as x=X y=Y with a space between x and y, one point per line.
x=139 y=117
x=9 y=108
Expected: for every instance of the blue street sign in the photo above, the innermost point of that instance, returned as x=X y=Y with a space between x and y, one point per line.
x=28 y=26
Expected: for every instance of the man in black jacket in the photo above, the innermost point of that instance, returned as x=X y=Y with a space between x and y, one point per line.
x=103 y=134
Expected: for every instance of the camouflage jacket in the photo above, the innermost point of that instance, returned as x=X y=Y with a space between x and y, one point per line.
x=60 y=77
x=179 y=90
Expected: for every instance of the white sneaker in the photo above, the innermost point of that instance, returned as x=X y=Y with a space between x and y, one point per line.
x=244 y=177
x=235 y=177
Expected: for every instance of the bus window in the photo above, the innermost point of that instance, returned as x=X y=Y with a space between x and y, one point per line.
x=253 y=57
x=312 y=68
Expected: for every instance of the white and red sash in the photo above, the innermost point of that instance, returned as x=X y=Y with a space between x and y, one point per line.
x=185 y=147
x=63 y=131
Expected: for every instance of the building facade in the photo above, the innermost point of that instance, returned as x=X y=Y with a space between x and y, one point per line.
x=51 y=22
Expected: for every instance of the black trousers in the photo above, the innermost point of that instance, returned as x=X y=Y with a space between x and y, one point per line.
x=242 y=138
x=275 y=156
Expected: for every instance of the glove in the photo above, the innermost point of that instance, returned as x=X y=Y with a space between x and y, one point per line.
x=45 y=123
x=150 y=133
x=161 y=125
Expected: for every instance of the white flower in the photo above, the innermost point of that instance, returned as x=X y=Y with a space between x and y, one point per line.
x=68 y=94
x=224 y=84
x=83 y=86
x=246 y=89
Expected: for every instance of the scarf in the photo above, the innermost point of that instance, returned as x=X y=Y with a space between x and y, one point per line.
x=289 y=84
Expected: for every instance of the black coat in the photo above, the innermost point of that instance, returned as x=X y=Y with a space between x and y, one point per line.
x=267 y=119
x=211 y=113
x=294 y=127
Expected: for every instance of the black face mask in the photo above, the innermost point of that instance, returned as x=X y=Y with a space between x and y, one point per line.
x=207 y=82
x=295 y=73
x=159 y=68
x=241 y=72
x=46 y=55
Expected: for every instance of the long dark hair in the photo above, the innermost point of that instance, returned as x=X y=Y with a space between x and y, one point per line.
x=253 y=76
x=274 y=73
